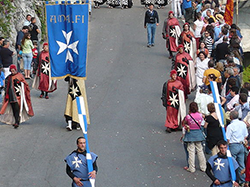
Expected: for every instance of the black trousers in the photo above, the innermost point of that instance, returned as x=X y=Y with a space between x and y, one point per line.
x=16 y=109
x=189 y=15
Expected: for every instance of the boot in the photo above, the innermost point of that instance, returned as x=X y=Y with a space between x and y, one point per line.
x=69 y=126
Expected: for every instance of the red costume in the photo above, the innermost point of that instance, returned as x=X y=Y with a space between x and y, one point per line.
x=181 y=66
x=17 y=92
x=173 y=103
x=187 y=38
x=42 y=80
x=171 y=29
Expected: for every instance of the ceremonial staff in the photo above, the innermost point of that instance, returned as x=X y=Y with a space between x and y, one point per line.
x=219 y=112
x=84 y=126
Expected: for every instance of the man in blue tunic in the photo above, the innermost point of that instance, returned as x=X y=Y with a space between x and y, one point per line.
x=218 y=168
x=77 y=168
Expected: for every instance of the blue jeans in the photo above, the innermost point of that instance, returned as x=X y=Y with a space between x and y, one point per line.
x=151 y=27
x=27 y=59
x=237 y=151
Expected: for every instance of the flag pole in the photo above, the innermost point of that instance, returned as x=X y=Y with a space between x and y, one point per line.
x=83 y=124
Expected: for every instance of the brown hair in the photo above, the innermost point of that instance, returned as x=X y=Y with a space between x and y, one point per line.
x=25 y=37
x=211 y=107
x=193 y=107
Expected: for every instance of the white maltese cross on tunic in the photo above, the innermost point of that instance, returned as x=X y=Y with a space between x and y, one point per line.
x=67 y=46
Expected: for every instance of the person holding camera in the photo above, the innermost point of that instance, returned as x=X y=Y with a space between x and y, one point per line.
x=150 y=22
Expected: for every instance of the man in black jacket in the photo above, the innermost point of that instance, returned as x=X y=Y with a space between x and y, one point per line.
x=150 y=23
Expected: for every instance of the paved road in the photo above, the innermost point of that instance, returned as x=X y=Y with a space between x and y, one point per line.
x=127 y=120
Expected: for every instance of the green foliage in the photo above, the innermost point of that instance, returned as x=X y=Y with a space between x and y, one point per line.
x=246 y=74
x=6 y=8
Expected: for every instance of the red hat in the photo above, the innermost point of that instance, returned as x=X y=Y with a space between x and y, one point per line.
x=186 y=23
x=173 y=72
x=170 y=12
x=45 y=44
x=12 y=66
x=180 y=46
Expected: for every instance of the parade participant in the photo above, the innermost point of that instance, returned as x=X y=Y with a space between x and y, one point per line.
x=113 y=3
x=188 y=40
x=218 y=168
x=42 y=80
x=161 y=3
x=194 y=137
x=27 y=55
x=98 y=3
x=171 y=32
x=185 y=70
x=76 y=89
x=150 y=22
x=173 y=98
x=76 y=165
x=17 y=106
x=148 y=3
x=236 y=134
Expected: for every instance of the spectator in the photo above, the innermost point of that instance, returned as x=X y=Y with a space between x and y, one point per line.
x=1 y=46
x=27 y=22
x=194 y=136
x=243 y=107
x=202 y=47
x=214 y=132
x=34 y=30
x=27 y=47
x=198 y=25
x=209 y=71
x=209 y=42
x=232 y=98
x=201 y=67
x=236 y=135
x=187 y=5
x=222 y=50
x=6 y=56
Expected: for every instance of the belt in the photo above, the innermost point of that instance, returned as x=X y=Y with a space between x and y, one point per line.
x=84 y=180
x=225 y=182
x=237 y=143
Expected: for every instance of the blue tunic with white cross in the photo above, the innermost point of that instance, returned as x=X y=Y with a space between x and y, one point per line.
x=221 y=171
x=78 y=165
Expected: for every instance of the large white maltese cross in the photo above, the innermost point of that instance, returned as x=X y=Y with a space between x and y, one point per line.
x=67 y=46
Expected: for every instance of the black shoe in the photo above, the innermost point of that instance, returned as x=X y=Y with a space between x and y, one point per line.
x=152 y=45
x=168 y=130
x=148 y=46
x=16 y=126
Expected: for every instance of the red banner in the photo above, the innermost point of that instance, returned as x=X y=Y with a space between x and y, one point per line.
x=229 y=13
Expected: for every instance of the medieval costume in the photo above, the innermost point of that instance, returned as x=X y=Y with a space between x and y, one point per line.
x=173 y=98
x=98 y=3
x=76 y=89
x=113 y=3
x=77 y=167
x=184 y=66
x=176 y=7
x=42 y=80
x=148 y=2
x=219 y=165
x=161 y=3
x=171 y=32
x=188 y=40
x=17 y=106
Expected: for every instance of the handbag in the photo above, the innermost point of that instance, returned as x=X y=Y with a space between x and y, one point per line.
x=205 y=136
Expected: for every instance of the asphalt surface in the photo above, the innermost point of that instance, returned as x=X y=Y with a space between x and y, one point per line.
x=127 y=130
